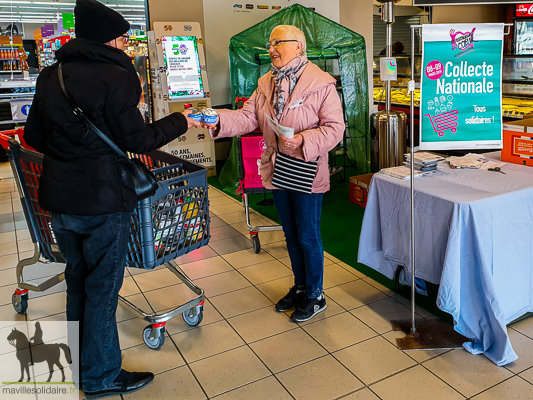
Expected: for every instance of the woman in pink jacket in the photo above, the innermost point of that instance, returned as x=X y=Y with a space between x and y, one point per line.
x=296 y=94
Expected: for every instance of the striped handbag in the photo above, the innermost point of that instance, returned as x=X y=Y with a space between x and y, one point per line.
x=294 y=174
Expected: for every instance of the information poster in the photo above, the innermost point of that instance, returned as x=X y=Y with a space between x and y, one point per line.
x=461 y=84
x=182 y=65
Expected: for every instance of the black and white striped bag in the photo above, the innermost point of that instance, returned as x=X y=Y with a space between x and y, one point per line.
x=294 y=174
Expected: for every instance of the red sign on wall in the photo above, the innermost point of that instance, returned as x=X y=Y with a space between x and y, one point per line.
x=524 y=10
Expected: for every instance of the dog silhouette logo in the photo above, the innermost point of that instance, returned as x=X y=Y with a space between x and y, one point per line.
x=33 y=351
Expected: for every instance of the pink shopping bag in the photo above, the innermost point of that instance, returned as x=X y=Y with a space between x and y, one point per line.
x=252 y=148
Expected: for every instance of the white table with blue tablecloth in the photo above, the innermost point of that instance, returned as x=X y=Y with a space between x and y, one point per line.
x=474 y=238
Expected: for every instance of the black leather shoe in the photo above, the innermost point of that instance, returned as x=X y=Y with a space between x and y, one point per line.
x=125 y=383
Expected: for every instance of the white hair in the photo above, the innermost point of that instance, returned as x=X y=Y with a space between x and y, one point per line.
x=294 y=33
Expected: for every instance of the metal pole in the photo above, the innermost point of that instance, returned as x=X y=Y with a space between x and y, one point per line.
x=412 y=145
x=389 y=19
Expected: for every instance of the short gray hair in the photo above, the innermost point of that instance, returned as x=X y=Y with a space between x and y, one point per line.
x=295 y=33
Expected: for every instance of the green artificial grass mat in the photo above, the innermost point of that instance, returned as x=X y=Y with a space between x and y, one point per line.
x=340 y=229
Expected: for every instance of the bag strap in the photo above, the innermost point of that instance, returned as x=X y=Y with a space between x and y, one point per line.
x=79 y=113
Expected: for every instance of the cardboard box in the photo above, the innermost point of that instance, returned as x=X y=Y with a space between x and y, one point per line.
x=518 y=142
x=359 y=188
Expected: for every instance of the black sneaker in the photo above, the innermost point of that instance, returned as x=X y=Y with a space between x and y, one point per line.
x=309 y=309
x=125 y=383
x=294 y=298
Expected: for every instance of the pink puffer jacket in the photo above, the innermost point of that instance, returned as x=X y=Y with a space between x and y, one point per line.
x=314 y=110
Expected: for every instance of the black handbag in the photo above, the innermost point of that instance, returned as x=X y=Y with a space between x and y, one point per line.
x=294 y=174
x=145 y=181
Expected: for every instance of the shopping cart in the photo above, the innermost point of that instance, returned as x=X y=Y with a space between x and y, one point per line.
x=441 y=122
x=167 y=225
x=249 y=150
x=19 y=133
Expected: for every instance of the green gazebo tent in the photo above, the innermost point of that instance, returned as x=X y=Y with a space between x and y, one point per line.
x=326 y=40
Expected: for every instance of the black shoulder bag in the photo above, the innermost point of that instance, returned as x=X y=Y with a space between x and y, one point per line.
x=144 y=180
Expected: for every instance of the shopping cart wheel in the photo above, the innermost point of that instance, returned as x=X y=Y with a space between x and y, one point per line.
x=194 y=316
x=20 y=302
x=256 y=244
x=157 y=343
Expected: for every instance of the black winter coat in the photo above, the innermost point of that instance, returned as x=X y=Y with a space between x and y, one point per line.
x=81 y=174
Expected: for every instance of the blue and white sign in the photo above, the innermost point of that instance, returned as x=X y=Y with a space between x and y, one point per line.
x=20 y=109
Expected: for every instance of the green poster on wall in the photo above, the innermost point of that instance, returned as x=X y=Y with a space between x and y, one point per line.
x=68 y=20
x=461 y=83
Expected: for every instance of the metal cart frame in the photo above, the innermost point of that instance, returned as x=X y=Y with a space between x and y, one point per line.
x=155 y=238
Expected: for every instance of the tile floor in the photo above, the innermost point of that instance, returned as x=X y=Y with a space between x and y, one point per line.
x=243 y=349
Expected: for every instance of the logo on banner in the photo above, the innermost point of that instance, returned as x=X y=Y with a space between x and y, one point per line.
x=463 y=41
x=524 y=10
x=167 y=27
x=262 y=145
x=183 y=49
x=187 y=27
x=182 y=138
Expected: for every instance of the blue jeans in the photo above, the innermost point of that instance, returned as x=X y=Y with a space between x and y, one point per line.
x=300 y=218
x=95 y=249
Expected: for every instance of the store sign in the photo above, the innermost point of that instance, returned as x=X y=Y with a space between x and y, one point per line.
x=68 y=20
x=524 y=10
x=37 y=34
x=20 y=109
x=460 y=106
x=47 y=31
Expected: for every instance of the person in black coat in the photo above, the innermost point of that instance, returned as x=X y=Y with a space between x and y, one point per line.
x=88 y=187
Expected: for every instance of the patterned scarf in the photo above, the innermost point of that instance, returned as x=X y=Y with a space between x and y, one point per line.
x=285 y=78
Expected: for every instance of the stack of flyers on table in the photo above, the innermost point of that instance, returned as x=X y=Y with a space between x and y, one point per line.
x=423 y=161
x=402 y=173
x=471 y=160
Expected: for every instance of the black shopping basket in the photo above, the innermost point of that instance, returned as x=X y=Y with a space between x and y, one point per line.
x=165 y=226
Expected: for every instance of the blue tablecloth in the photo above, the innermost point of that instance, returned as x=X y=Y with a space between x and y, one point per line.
x=474 y=237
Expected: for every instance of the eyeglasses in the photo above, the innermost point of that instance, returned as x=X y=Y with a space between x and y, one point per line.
x=276 y=43
x=125 y=39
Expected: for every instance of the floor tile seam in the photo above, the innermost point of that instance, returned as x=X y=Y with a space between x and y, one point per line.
x=247 y=312
x=189 y=367
x=355 y=391
x=353 y=344
x=158 y=288
x=429 y=359
x=366 y=304
x=35 y=279
x=487 y=389
x=442 y=380
x=251 y=265
x=252 y=350
x=521 y=333
x=340 y=284
x=301 y=363
x=215 y=354
x=270 y=280
x=349 y=312
x=521 y=377
x=527 y=369
x=268 y=337
x=10 y=254
x=250 y=383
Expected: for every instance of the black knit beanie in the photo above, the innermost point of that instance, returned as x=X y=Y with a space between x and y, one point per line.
x=94 y=21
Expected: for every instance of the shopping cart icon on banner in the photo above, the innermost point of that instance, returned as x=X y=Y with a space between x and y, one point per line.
x=441 y=122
